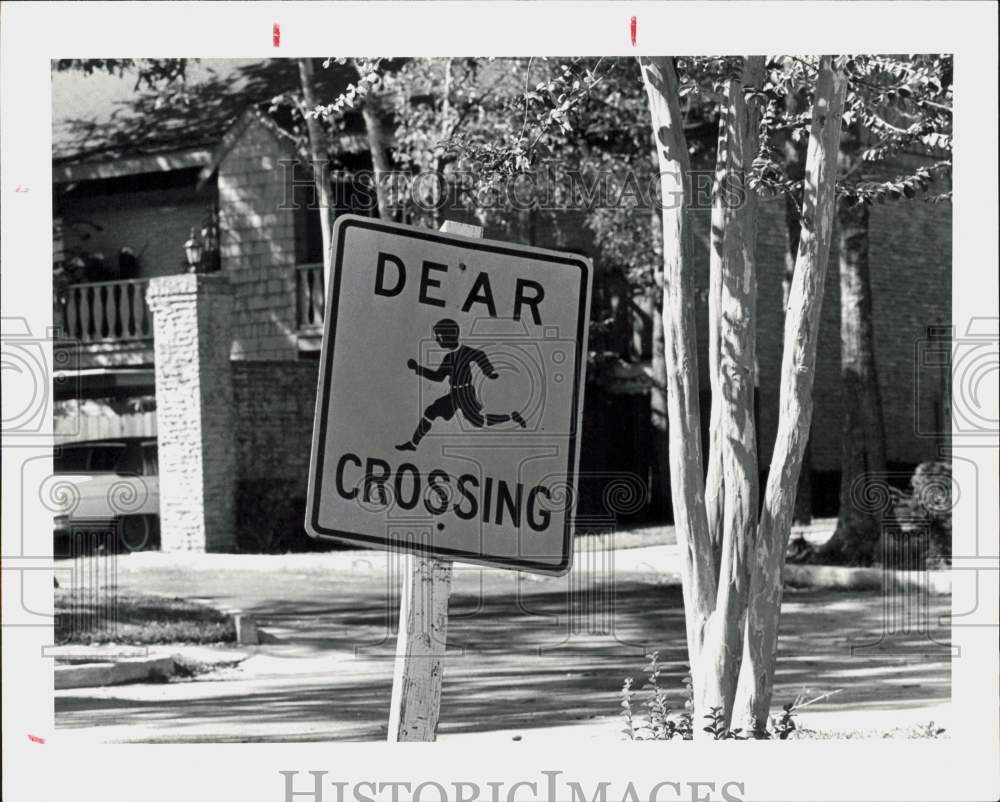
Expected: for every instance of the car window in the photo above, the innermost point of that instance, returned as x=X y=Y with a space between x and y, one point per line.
x=130 y=462
x=106 y=456
x=150 y=461
x=71 y=459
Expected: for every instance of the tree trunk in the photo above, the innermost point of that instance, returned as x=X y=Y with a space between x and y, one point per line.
x=658 y=400
x=658 y=366
x=732 y=482
x=714 y=488
x=798 y=367
x=319 y=153
x=794 y=166
x=378 y=137
x=681 y=363
x=447 y=129
x=856 y=539
x=381 y=166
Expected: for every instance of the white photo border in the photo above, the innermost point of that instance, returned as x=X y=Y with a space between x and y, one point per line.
x=43 y=763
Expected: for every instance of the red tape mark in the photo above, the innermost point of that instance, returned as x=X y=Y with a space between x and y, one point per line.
x=35 y=739
x=633 y=31
x=276 y=34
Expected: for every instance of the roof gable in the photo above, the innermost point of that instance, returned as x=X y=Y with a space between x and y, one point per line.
x=106 y=122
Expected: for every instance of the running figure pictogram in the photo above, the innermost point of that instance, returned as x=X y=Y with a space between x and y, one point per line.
x=457 y=368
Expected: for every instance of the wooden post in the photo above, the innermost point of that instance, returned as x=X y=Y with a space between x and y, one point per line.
x=423 y=628
x=420 y=648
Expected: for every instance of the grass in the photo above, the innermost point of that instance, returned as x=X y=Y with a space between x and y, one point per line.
x=138 y=620
x=929 y=730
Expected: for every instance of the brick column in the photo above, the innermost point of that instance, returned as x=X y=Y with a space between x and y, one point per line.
x=192 y=336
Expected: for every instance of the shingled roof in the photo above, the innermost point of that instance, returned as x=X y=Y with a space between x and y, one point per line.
x=103 y=126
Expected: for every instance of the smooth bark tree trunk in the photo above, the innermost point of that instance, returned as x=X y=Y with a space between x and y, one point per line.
x=681 y=362
x=378 y=137
x=446 y=130
x=795 y=395
x=856 y=538
x=732 y=481
x=658 y=364
x=658 y=401
x=795 y=157
x=381 y=165
x=319 y=153
x=714 y=488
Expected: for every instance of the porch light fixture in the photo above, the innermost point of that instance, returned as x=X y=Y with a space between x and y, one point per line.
x=193 y=251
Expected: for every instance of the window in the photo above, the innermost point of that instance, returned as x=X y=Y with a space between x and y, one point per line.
x=71 y=459
x=308 y=231
x=346 y=197
x=105 y=457
x=130 y=460
x=150 y=460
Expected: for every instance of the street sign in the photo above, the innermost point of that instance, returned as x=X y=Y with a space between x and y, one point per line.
x=450 y=395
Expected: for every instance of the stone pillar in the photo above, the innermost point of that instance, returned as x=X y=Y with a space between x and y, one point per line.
x=192 y=336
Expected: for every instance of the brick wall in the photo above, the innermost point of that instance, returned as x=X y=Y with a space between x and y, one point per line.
x=911 y=288
x=194 y=402
x=257 y=243
x=273 y=405
x=910 y=262
x=273 y=408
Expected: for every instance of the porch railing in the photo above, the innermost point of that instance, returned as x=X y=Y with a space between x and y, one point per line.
x=310 y=297
x=107 y=311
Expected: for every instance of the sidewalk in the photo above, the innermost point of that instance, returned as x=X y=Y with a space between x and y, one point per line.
x=527 y=653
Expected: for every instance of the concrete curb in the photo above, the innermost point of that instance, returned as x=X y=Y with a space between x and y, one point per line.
x=839 y=577
x=247 y=633
x=132 y=669
x=94 y=652
x=94 y=667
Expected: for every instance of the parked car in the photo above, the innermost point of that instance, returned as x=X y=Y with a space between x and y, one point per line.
x=113 y=492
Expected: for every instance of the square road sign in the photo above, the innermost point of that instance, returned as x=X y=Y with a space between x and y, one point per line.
x=450 y=395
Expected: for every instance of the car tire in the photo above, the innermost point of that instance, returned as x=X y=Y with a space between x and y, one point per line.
x=140 y=532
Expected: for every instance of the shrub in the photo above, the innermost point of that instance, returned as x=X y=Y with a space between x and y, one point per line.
x=270 y=516
x=800 y=550
x=922 y=534
x=132 y=618
x=652 y=721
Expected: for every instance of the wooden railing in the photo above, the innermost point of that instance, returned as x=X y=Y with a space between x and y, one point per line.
x=114 y=311
x=107 y=311
x=310 y=297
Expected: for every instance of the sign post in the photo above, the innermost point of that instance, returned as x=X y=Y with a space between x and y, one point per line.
x=423 y=628
x=447 y=420
x=420 y=648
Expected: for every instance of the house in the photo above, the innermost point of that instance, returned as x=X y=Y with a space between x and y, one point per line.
x=215 y=191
